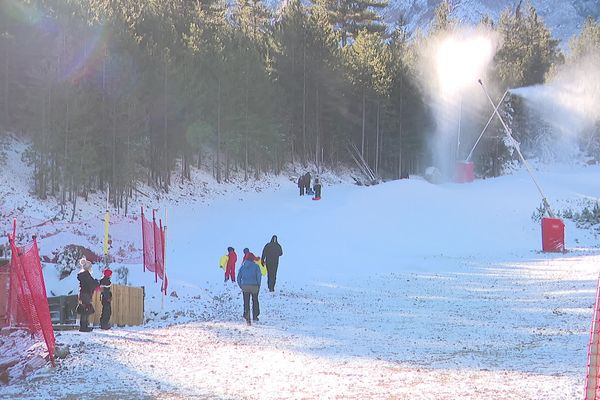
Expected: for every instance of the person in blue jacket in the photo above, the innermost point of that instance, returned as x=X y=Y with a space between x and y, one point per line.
x=248 y=279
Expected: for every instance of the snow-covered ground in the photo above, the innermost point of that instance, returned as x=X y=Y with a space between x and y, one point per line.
x=403 y=290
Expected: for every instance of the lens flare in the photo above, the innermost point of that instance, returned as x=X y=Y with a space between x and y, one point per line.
x=461 y=60
x=88 y=56
x=19 y=14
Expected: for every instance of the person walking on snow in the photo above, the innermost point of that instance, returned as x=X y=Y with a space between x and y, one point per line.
x=301 y=185
x=87 y=285
x=249 y=256
x=248 y=279
x=270 y=258
x=106 y=299
x=307 y=183
x=317 y=188
x=230 y=268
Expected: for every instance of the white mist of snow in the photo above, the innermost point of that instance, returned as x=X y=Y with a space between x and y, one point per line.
x=569 y=102
x=461 y=59
x=453 y=64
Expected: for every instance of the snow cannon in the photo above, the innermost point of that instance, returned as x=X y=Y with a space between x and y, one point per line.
x=464 y=172
x=553 y=229
x=553 y=235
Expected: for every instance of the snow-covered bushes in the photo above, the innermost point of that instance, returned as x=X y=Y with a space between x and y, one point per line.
x=67 y=261
x=587 y=218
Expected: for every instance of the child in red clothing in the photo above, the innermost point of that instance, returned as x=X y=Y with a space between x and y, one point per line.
x=230 y=268
x=248 y=255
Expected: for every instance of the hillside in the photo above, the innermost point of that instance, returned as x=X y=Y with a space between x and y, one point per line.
x=563 y=17
x=404 y=289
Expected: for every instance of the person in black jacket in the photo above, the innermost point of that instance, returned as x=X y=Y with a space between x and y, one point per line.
x=106 y=299
x=87 y=285
x=307 y=178
x=270 y=258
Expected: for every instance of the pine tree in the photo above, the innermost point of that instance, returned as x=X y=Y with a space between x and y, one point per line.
x=369 y=62
x=586 y=43
x=528 y=50
x=350 y=17
x=442 y=20
x=290 y=72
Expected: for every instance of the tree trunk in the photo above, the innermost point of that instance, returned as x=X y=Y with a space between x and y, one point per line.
x=317 y=128
x=74 y=203
x=113 y=182
x=218 y=166
x=226 y=164
x=304 y=103
x=400 y=126
x=377 y=140
x=246 y=133
x=6 y=70
x=362 y=144
x=166 y=172
x=65 y=159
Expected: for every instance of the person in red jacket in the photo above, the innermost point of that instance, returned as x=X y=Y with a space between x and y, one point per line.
x=230 y=268
x=249 y=256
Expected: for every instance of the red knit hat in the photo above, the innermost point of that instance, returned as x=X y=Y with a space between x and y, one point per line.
x=107 y=272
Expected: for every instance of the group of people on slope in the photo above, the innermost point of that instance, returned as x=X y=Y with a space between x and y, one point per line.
x=249 y=275
x=304 y=186
x=87 y=285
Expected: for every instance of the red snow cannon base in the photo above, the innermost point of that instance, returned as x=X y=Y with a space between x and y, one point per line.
x=465 y=172
x=553 y=235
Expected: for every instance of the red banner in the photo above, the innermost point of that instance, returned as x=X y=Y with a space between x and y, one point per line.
x=153 y=238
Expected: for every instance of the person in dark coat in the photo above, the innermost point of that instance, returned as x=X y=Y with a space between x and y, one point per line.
x=87 y=285
x=307 y=178
x=301 y=185
x=317 y=188
x=270 y=258
x=248 y=279
x=106 y=299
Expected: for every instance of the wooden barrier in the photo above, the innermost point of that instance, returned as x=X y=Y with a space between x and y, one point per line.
x=127 y=306
x=4 y=289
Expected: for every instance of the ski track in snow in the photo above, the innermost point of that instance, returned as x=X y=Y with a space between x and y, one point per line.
x=461 y=334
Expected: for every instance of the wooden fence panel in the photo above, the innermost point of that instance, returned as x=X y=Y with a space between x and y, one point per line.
x=4 y=288
x=127 y=306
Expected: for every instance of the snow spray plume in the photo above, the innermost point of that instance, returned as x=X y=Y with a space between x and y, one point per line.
x=451 y=65
x=569 y=102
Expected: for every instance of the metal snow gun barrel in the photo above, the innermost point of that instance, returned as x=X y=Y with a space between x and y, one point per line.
x=553 y=229
x=465 y=169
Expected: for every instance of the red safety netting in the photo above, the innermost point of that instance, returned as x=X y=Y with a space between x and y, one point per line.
x=153 y=238
x=592 y=377
x=27 y=299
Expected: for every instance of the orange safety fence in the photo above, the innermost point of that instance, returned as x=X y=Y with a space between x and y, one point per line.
x=27 y=299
